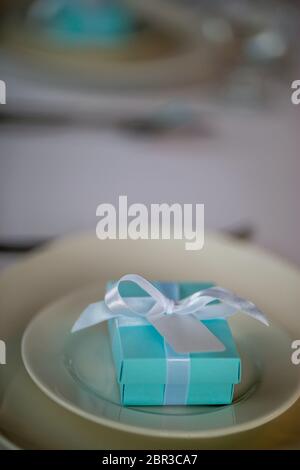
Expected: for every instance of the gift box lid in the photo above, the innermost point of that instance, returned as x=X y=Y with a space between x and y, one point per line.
x=139 y=351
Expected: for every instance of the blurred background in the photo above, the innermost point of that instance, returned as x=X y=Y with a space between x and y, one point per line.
x=183 y=101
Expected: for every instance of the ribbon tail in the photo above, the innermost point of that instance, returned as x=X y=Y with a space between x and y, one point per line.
x=237 y=303
x=92 y=315
x=211 y=312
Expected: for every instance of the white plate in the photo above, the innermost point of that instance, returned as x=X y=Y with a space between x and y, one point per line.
x=29 y=419
x=173 y=51
x=77 y=372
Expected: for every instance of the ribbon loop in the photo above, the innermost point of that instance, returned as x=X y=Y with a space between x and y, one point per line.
x=120 y=305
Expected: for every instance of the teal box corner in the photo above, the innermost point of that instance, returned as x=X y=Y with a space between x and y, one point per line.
x=141 y=365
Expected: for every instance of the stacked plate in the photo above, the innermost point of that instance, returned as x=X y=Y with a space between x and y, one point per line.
x=59 y=391
x=128 y=45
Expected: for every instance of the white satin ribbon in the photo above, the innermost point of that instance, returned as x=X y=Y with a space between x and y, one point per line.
x=177 y=321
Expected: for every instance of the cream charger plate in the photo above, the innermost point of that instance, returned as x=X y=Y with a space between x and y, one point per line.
x=77 y=371
x=29 y=419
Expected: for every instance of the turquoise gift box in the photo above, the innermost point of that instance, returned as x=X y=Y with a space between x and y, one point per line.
x=141 y=358
x=76 y=22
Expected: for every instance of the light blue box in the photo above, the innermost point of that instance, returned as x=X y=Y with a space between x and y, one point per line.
x=141 y=366
x=78 y=24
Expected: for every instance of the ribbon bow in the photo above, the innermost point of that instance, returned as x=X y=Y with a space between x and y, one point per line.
x=178 y=321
